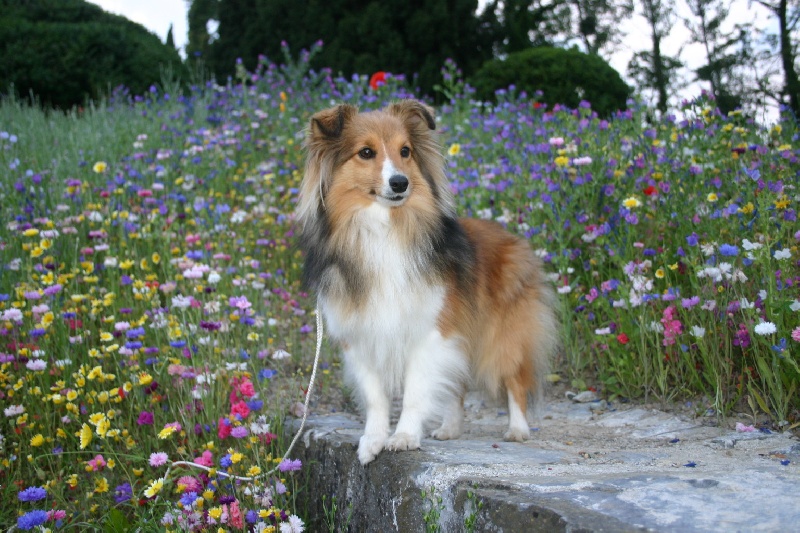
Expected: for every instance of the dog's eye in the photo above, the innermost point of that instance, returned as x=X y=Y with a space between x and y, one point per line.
x=366 y=153
x=405 y=151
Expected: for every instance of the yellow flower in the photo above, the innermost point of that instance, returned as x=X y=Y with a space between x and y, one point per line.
x=782 y=202
x=454 y=149
x=254 y=471
x=747 y=208
x=30 y=232
x=166 y=432
x=155 y=258
x=100 y=167
x=154 y=488
x=37 y=440
x=85 y=435
x=125 y=265
x=631 y=202
x=561 y=161
x=101 y=485
x=145 y=378
x=712 y=197
x=215 y=512
x=236 y=457
x=208 y=495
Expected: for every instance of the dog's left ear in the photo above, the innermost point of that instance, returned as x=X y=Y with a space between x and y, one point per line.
x=414 y=113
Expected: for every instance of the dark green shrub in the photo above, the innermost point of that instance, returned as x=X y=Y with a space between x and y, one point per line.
x=563 y=77
x=65 y=51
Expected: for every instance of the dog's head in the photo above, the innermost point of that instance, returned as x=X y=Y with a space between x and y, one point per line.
x=389 y=157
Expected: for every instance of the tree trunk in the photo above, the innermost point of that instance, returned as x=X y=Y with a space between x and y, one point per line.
x=792 y=84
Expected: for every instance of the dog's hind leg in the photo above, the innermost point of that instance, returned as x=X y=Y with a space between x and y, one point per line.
x=518 y=429
x=452 y=421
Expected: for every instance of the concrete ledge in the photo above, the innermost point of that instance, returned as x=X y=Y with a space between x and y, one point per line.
x=628 y=470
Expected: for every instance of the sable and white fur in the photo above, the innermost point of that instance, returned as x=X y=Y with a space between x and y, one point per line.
x=422 y=303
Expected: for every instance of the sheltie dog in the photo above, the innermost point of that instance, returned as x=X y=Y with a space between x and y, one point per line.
x=422 y=302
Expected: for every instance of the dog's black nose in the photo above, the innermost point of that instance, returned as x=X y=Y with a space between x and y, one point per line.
x=398 y=183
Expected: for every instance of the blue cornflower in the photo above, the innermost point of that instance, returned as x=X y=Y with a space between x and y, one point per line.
x=31 y=520
x=225 y=462
x=728 y=250
x=32 y=494
x=188 y=499
x=123 y=493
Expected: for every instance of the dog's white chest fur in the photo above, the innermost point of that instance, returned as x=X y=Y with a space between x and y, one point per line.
x=400 y=310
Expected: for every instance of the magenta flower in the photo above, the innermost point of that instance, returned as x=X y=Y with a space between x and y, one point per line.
x=145 y=418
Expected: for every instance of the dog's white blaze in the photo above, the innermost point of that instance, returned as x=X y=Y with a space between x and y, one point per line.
x=517 y=422
x=387 y=169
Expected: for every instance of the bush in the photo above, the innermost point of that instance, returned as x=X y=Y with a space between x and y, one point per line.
x=66 y=51
x=563 y=77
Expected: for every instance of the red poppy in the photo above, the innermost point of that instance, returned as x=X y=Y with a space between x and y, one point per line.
x=650 y=191
x=622 y=338
x=377 y=79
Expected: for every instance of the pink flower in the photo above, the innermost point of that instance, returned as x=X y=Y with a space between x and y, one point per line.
x=191 y=483
x=796 y=334
x=672 y=328
x=236 y=515
x=158 y=459
x=246 y=388
x=205 y=459
x=744 y=429
x=223 y=428
x=240 y=409
x=97 y=463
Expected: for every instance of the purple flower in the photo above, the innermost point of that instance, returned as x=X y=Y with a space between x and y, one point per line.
x=32 y=519
x=32 y=494
x=145 y=418
x=290 y=465
x=728 y=250
x=239 y=432
x=123 y=493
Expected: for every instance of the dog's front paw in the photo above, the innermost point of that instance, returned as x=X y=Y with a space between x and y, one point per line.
x=517 y=434
x=446 y=433
x=402 y=441
x=369 y=446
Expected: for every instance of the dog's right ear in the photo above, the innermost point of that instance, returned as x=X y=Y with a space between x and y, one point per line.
x=330 y=123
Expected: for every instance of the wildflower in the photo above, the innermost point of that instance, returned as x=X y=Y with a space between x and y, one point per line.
x=289 y=465
x=123 y=493
x=166 y=432
x=796 y=334
x=293 y=525
x=154 y=488
x=622 y=338
x=698 y=332
x=85 y=436
x=100 y=167
x=631 y=202
x=712 y=197
x=561 y=161
x=785 y=253
x=158 y=459
x=145 y=418
x=728 y=250
x=377 y=80
x=454 y=149
x=32 y=494
x=765 y=328
x=37 y=440
x=31 y=520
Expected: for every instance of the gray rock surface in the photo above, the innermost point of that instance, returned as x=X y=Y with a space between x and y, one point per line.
x=589 y=467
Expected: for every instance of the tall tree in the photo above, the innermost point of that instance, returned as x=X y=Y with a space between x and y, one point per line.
x=727 y=51
x=170 y=40
x=411 y=37
x=787 y=13
x=653 y=69
x=200 y=13
x=597 y=23
x=526 y=23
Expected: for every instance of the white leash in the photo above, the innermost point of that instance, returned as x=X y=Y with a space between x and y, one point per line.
x=296 y=436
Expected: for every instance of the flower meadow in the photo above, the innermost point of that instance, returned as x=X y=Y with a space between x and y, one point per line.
x=151 y=312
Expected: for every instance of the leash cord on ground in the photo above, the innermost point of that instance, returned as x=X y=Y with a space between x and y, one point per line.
x=192 y=464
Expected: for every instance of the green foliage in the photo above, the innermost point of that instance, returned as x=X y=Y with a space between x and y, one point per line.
x=401 y=37
x=561 y=76
x=65 y=51
x=433 y=513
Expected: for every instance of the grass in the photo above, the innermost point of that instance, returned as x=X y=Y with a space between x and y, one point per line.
x=151 y=311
